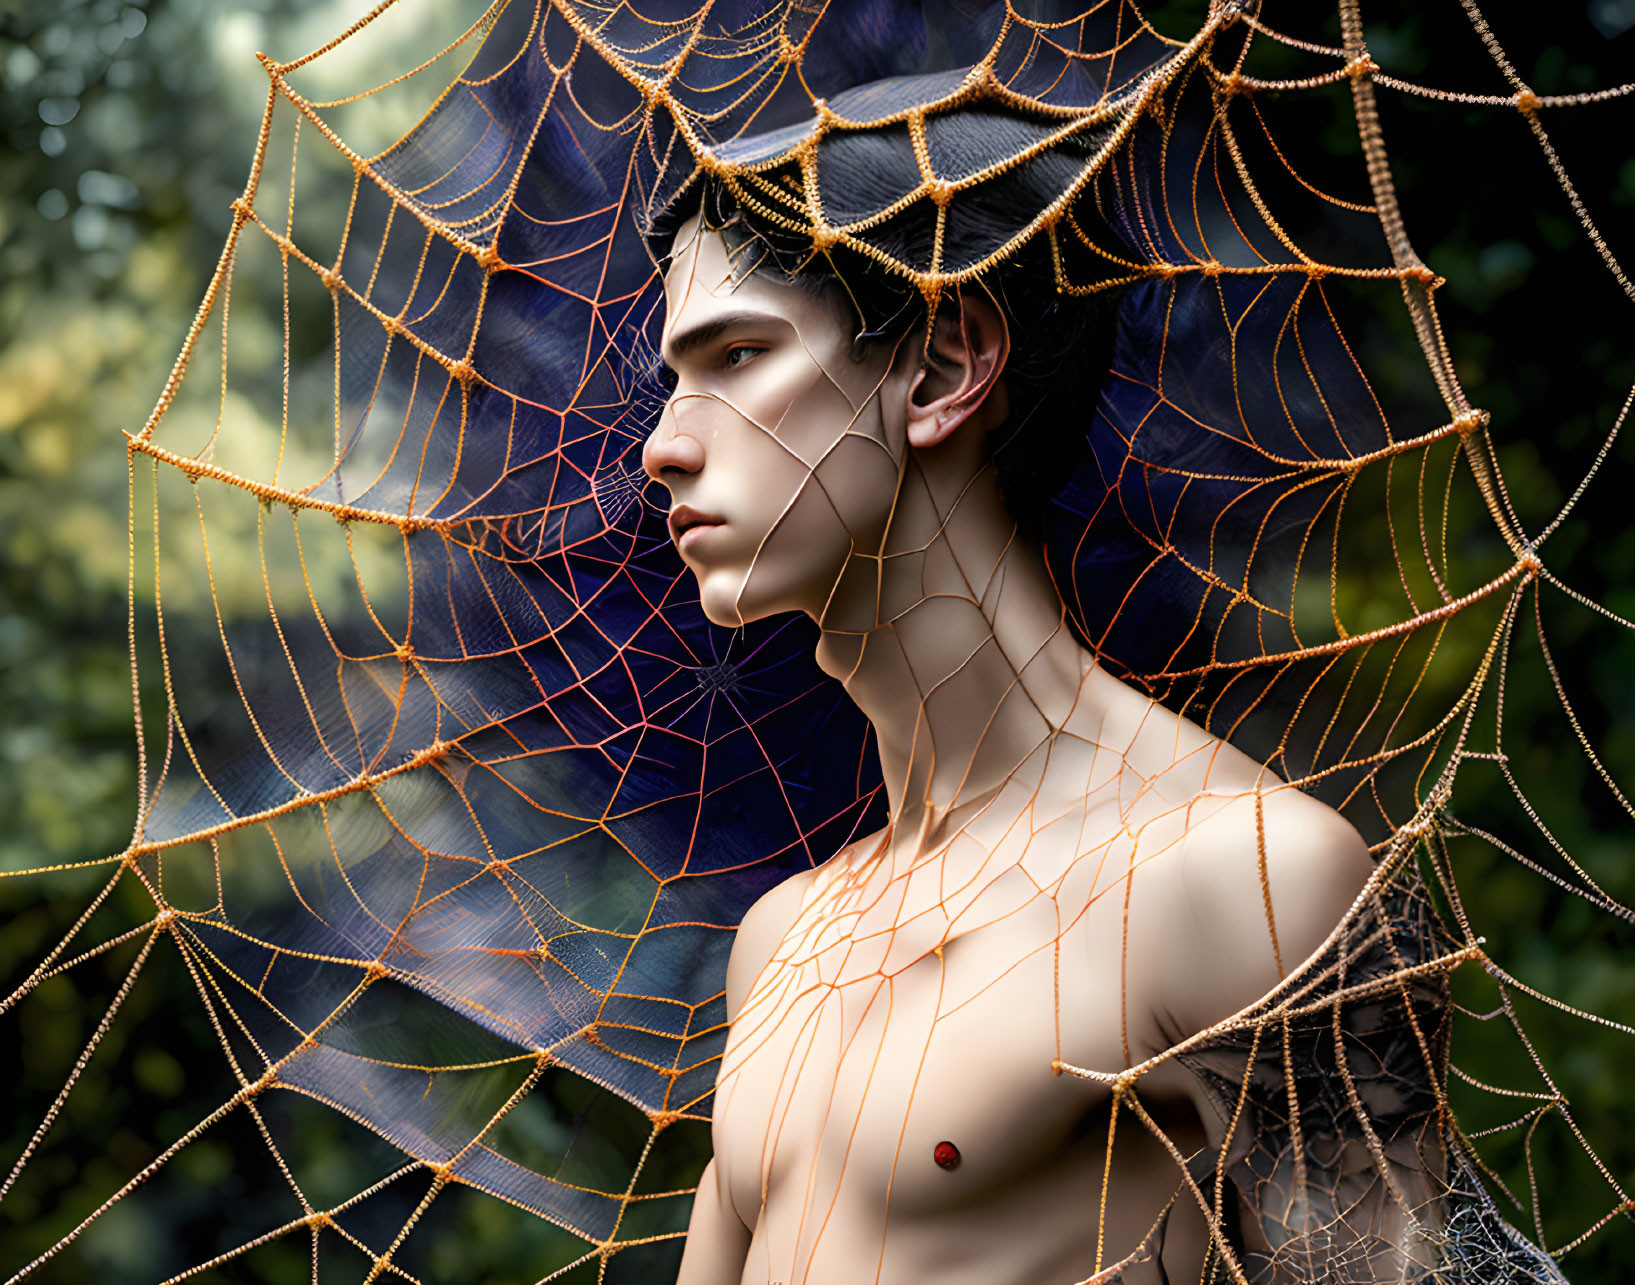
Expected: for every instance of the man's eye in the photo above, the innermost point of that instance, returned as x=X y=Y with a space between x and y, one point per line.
x=739 y=354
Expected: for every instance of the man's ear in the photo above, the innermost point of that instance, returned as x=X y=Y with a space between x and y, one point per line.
x=965 y=356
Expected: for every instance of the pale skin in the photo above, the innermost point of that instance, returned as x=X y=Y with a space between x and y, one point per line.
x=1073 y=878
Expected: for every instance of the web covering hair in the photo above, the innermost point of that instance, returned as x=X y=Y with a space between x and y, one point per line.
x=452 y=830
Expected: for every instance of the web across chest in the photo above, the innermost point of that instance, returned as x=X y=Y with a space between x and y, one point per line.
x=841 y=1081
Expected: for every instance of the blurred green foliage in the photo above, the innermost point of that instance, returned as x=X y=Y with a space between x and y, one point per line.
x=128 y=128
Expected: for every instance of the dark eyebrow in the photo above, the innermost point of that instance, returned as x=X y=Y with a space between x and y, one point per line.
x=701 y=335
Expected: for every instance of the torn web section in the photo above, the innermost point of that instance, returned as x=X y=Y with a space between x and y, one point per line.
x=1337 y=1163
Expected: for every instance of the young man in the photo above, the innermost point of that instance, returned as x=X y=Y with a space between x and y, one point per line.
x=1073 y=879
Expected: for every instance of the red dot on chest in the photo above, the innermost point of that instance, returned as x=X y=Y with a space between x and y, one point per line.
x=946 y=1155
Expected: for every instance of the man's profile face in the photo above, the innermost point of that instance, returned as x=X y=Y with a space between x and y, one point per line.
x=780 y=451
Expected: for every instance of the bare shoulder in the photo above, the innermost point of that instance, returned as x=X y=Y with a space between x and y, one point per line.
x=764 y=926
x=1308 y=848
x=1258 y=885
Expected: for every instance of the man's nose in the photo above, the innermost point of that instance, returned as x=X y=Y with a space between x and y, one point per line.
x=669 y=451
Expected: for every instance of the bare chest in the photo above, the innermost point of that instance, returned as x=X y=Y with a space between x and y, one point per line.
x=888 y=1058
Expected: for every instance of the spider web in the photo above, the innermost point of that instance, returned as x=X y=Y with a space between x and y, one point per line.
x=447 y=821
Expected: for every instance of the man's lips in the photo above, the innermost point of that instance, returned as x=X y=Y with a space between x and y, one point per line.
x=685 y=518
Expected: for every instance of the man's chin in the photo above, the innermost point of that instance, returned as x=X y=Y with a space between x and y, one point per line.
x=726 y=620
x=721 y=596
x=727 y=601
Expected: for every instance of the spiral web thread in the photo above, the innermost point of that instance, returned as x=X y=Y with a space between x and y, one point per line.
x=451 y=830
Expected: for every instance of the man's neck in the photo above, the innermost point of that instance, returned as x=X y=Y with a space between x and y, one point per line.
x=954 y=645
